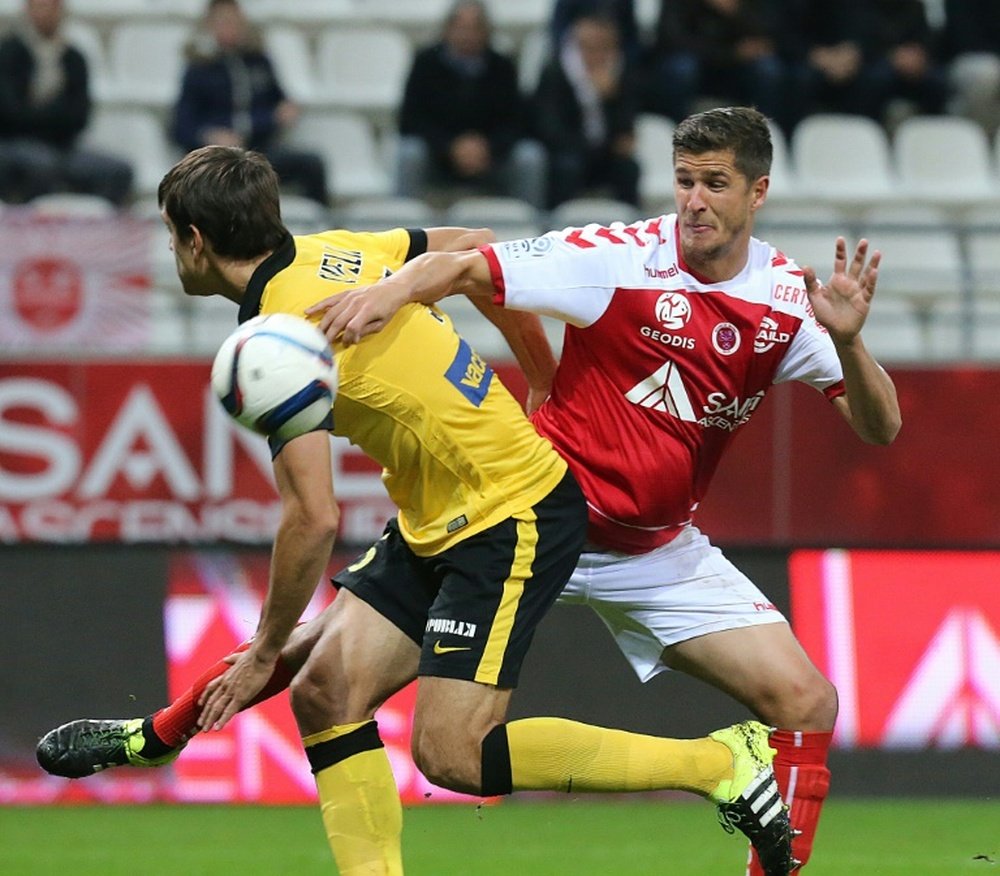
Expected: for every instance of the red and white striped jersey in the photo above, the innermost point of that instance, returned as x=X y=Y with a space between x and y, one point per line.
x=659 y=367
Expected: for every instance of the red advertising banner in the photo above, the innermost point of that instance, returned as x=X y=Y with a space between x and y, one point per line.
x=140 y=451
x=143 y=452
x=63 y=283
x=911 y=639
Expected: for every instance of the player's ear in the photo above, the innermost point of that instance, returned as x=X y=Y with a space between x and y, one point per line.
x=197 y=241
x=759 y=189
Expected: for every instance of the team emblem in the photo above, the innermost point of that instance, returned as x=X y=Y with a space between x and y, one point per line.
x=726 y=338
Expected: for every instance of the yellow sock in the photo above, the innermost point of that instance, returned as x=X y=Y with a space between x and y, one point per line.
x=358 y=799
x=553 y=754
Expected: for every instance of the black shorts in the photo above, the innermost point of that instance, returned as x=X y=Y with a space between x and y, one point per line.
x=474 y=607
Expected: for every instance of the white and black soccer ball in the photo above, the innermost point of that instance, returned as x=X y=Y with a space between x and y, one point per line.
x=276 y=375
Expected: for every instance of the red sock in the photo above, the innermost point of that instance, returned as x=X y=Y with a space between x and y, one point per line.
x=177 y=722
x=804 y=781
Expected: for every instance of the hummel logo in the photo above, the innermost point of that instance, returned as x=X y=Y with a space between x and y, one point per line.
x=447 y=649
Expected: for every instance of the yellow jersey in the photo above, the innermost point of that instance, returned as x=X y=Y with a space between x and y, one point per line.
x=458 y=453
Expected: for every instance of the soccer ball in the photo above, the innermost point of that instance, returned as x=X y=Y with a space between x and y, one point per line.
x=276 y=375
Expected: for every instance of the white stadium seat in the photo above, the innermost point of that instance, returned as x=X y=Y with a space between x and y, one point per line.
x=944 y=159
x=379 y=213
x=842 y=158
x=578 y=212
x=294 y=65
x=347 y=143
x=510 y=218
x=146 y=61
x=363 y=68
x=137 y=135
x=654 y=151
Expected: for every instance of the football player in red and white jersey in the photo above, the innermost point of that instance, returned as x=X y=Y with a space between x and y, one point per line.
x=676 y=327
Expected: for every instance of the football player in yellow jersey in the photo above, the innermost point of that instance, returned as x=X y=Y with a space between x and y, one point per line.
x=490 y=526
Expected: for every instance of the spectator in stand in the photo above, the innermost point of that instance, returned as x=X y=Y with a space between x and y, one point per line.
x=585 y=109
x=723 y=49
x=231 y=96
x=463 y=118
x=822 y=43
x=901 y=73
x=566 y=12
x=44 y=107
x=972 y=45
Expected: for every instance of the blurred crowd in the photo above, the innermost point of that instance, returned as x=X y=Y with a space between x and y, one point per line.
x=465 y=122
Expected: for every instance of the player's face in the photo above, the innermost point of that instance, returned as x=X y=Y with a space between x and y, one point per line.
x=715 y=207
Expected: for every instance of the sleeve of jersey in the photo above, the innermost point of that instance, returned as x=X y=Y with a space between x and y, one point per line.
x=401 y=244
x=812 y=359
x=570 y=275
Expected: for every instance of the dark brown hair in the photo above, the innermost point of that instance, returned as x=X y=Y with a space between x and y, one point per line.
x=230 y=195
x=742 y=130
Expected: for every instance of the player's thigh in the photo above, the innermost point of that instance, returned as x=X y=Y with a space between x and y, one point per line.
x=765 y=668
x=358 y=661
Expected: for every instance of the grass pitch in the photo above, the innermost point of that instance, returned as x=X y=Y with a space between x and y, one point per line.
x=577 y=837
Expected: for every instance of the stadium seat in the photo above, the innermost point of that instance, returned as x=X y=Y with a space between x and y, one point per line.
x=87 y=38
x=510 y=218
x=303 y=215
x=582 y=211
x=944 y=159
x=71 y=205
x=518 y=15
x=137 y=135
x=879 y=218
x=842 y=158
x=311 y=13
x=983 y=249
x=288 y=48
x=806 y=246
x=784 y=186
x=413 y=15
x=799 y=214
x=894 y=332
x=531 y=59
x=654 y=151
x=924 y=265
x=363 y=68
x=379 y=213
x=347 y=143
x=146 y=62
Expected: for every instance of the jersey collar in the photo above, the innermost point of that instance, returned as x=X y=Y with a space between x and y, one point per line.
x=276 y=262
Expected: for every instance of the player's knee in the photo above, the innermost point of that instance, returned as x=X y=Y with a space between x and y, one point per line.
x=449 y=759
x=806 y=703
x=315 y=700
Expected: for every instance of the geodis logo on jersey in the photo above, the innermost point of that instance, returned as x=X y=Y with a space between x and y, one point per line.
x=768 y=335
x=673 y=311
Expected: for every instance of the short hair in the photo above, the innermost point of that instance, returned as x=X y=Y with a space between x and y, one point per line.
x=230 y=195
x=742 y=130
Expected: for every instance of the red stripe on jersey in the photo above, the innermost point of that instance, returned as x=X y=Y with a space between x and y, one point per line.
x=496 y=275
x=836 y=391
x=576 y=238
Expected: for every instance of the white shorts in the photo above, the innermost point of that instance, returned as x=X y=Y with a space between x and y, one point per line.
x=679 y=591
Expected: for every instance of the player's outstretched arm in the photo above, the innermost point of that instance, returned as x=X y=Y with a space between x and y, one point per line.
x=527 y=340
x=430 y=277
x=841 y=307
x=302 y=545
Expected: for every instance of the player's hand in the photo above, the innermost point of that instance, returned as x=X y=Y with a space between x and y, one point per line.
x=350 y=316
x=842 y=305
x=224 y=696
